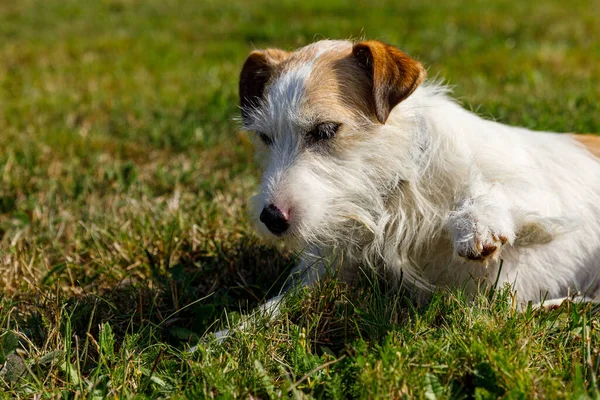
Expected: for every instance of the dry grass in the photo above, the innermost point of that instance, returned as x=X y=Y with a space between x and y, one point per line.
x=124 y=232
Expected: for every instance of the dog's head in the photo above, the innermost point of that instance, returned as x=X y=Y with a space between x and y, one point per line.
x=320 y=116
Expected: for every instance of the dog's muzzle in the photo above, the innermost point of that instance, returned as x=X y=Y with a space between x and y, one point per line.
x=274 y=219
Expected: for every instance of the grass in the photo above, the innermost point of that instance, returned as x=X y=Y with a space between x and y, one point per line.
x=124 y=236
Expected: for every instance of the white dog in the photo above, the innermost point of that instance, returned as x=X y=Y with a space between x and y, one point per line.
x=366 y=165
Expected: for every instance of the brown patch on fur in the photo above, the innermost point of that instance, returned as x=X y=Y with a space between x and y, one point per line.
x=591 y=142
x=337 y=88
x=393 y=75
x=256 y=73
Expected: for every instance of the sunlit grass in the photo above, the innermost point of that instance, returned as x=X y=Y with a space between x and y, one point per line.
x=124 y=232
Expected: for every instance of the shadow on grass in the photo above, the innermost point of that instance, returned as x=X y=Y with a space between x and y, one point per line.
x=232 y=281
x=175 y=304
x=201 y=291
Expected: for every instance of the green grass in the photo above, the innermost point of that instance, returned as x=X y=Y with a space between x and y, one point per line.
x=124 y=236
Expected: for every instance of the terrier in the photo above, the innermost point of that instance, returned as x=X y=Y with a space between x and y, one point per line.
x=365 y=163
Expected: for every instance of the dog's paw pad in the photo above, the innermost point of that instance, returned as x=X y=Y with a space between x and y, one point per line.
x=499 y=238
x=484 y=250
x=477 y=249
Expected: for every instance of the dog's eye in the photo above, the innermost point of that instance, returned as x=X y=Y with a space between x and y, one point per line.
x=323 y=131
x=265 y=138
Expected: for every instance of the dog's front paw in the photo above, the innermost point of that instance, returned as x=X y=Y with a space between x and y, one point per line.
x=480 y=247
x=479 y=230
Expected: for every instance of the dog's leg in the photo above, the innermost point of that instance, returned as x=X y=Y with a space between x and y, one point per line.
x=553 y=304
x=482 y=224
x=313 y=265
x=270 y=310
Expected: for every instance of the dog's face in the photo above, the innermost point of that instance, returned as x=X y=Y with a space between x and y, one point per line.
x=318 y=114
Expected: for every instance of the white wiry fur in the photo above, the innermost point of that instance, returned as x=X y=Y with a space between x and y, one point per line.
x=420 y=193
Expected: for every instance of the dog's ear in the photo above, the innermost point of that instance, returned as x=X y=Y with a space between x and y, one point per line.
x=393 y=74
x=256 y=72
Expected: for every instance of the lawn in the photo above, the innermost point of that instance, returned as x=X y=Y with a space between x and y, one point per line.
x=124 y=232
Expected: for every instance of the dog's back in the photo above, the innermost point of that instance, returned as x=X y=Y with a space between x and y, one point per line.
x=591 y=142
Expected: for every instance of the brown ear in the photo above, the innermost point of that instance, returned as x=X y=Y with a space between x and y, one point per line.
x=393 y=74
x=256 y=72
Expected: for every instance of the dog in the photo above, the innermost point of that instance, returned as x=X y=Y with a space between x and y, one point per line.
x=367 y=164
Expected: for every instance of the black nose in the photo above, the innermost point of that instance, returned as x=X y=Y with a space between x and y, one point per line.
x=274 y=219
